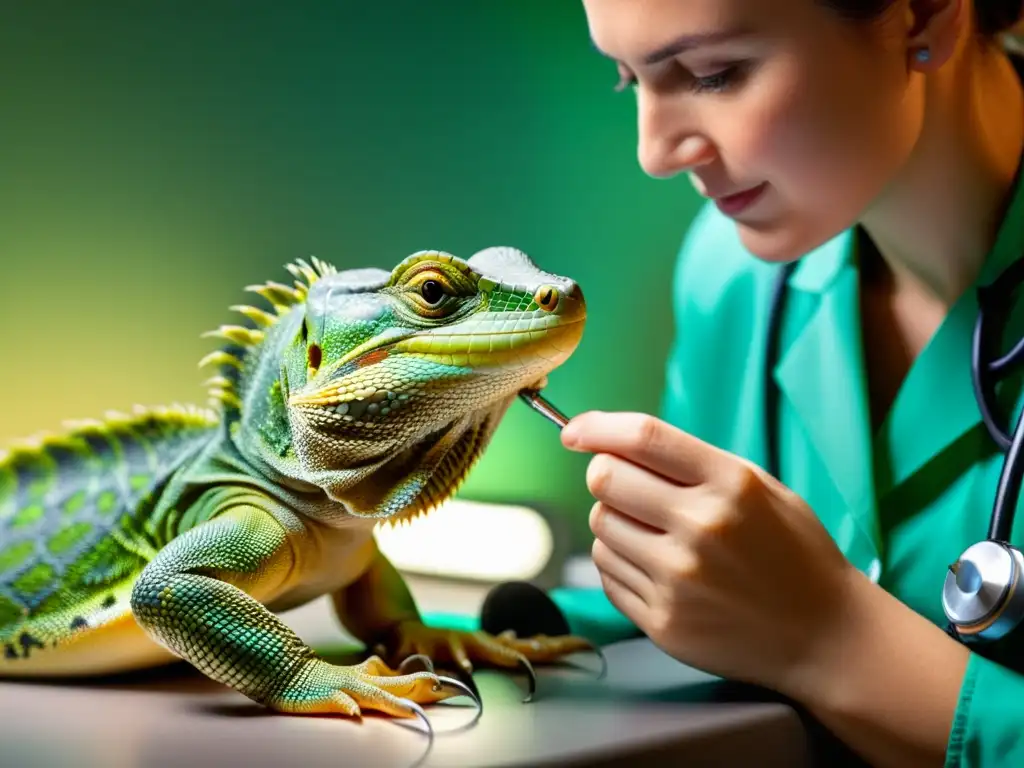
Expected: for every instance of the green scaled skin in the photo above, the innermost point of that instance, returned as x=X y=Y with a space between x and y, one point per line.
x=356 y=398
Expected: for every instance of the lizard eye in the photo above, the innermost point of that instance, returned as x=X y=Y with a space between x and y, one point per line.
x=432 y=291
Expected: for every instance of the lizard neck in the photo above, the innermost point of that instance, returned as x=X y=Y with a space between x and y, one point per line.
x=256 y=425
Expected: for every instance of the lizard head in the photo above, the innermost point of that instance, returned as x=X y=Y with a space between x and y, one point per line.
x=389 y=385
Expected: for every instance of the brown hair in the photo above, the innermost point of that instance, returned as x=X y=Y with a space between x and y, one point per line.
x=993 y=16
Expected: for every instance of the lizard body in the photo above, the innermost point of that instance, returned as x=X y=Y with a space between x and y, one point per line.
x=358 y=397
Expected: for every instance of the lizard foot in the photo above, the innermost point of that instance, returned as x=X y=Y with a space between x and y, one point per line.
x=323 y=688
x=424 y=646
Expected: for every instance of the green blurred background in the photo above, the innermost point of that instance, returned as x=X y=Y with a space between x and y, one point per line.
x=159 y=156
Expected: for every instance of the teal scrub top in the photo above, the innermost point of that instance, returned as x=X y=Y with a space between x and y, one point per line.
x=902 y=503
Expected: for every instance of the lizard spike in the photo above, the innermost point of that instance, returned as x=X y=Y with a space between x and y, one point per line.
x=312 y=268
x=271 y=296
x=83 y=425
x=60 y=441
x=323 y=267
x=220 y=357
x=258 y=316
x=302 y=271
x=195 y=412
x=34 y=439
x=280 y=296
x=225 y=397
x=219 y=382
x=237 y=334
x=191 y=413
x=29 y=443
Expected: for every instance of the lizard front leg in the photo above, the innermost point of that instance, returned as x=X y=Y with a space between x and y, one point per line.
x=379 y=610
x=196 y=598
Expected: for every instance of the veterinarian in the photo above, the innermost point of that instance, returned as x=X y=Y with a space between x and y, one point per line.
x=862 y=164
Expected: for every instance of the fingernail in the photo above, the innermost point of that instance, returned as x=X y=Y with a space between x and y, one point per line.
x=570 y=434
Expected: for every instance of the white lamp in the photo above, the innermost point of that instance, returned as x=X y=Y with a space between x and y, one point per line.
x=463 y=539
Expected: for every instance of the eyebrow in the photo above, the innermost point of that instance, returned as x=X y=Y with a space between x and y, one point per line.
x=685 y=43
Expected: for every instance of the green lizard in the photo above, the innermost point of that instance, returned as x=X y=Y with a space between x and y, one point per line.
x=356 y=397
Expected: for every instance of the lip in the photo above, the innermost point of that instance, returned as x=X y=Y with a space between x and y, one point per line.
x=733 y=204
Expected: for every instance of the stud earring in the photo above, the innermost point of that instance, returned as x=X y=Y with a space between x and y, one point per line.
x=923 y=55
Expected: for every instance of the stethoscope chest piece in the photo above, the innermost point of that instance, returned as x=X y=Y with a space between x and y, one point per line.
x=982 y=596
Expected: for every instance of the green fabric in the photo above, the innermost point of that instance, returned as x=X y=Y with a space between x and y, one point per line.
x=445 y=620
x=902 y=503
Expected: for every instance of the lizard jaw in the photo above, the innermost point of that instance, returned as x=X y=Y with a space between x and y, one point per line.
x=559 y=341
x=539 y=384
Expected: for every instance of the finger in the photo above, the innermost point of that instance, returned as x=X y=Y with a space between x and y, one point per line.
x=636 y=492
x=625 y=599
x=622 y=534
x=644 y=440
x=624 y=570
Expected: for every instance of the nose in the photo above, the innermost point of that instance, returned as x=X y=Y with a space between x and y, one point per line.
x=668 y=143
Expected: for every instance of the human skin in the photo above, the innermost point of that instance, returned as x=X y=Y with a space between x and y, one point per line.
x=843 y=125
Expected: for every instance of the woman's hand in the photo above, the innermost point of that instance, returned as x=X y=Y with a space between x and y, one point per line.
x=720 y=565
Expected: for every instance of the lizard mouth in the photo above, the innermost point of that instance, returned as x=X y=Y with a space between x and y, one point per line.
x=535 y=352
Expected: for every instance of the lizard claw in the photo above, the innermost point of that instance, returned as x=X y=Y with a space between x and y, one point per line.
x=596 y=650
x=421 y=715
x=465 y=690
x=509 y=637
x=531 y=675
x=424 y=661
x=420 y=662
x=427 y=646
x=465 y=676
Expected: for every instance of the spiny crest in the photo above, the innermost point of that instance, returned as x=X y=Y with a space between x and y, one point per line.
x=439 y=490
x=448 y=477
x=222 y=388
x=71 y=440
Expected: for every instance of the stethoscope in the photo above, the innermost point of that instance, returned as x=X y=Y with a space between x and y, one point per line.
x=982 y=595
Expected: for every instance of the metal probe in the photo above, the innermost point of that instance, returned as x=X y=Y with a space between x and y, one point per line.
x=541 y=405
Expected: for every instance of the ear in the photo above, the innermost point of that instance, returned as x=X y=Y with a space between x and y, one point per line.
x=936 y=27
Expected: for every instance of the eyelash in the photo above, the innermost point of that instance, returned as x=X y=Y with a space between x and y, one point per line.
x=719 y=82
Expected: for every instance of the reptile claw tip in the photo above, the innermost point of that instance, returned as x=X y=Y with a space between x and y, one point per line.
x=532 y=675
x=465 y=691
x=428 y=665
x=465 y=675
x=421 y=715
x=604 y=661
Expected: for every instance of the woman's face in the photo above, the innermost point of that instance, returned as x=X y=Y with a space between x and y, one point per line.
x=814 y=112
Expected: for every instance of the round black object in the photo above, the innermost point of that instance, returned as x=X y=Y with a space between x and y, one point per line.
x=524 y=608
